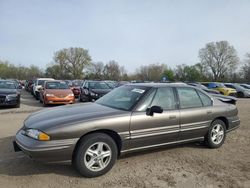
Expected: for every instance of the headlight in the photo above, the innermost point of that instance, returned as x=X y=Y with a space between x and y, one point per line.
x=12 y=95
x=93 y=94
x=49 y=95
x=71 y=95
x=36 y=134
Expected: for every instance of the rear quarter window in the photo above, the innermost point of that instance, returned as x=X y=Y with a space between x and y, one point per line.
x=189 y=98
x=205 y=99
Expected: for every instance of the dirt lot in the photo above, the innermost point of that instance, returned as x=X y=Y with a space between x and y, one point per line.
x=190 y=165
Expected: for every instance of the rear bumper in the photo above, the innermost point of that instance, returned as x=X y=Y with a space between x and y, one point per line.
x=233 y=123
x=45 y=151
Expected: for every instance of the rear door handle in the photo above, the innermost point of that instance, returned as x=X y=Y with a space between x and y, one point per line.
x=172 y=117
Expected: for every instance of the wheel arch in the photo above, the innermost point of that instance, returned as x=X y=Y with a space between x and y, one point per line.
x=224 y=119
x=113 y=134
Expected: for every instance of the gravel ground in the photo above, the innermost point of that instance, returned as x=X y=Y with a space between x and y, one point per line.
x=189 y=165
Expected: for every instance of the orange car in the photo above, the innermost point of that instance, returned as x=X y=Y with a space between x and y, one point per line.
x=56 y=92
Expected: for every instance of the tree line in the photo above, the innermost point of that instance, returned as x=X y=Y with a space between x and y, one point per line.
x=218 y=61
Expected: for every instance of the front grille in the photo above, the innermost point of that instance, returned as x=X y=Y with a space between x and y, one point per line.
x=60 y=96
x=2 y=99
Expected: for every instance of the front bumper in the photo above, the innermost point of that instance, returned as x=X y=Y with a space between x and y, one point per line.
x=58 y=100
x=233 y=123
x=45 y=151
x=9 y=102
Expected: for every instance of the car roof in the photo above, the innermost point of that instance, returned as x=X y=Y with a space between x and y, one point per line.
x=175 y=84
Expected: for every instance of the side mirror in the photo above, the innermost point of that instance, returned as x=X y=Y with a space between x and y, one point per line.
x=154 y=109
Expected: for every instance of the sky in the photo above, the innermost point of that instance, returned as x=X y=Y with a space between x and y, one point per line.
x=131 y=32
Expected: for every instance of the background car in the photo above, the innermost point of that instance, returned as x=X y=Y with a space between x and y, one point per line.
x=75 y=87
x=247 y=86
x=241 y=91
x=9 y=94
x=221 y=88
x=204 y=88
x=56 y=92
x=38 y=83
x=93 y=90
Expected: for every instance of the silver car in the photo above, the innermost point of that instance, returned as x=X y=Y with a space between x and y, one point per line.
x=130 y=118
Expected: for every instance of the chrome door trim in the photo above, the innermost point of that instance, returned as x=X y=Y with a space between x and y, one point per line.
x=162 y=144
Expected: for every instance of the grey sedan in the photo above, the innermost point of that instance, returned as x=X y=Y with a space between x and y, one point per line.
x=130 y=118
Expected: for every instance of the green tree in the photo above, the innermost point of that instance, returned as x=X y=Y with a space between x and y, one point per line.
x=169 y=73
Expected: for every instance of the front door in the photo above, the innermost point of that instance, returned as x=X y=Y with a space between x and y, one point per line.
x=160 y=128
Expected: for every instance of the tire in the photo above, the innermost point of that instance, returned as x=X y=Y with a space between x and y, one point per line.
x=37 y=96
x=80 y=99
x=40 y=99
x=216 y=134
x=92 y=148
x=44 y=103
x=240 y=95
x=18 y=105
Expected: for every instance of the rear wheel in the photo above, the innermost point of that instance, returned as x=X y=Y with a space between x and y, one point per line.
x=216 y=134
x=95 y=155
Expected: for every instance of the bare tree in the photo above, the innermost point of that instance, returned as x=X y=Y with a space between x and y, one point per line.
x=73 y=60
x=95 y=70
x=246 y=68
x=219 y=57
x=153 y=72
x=112 y=71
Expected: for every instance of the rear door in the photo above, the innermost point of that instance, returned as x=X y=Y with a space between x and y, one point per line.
x=195 y=112
x=160 y=128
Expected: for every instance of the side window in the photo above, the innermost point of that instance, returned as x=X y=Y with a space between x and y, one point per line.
x=164 y=98
x=230 y=86
x=86 y=84
x=205 y=99
x=188 y=98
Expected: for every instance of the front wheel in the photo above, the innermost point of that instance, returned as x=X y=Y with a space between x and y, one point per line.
x=216 y=134
x=95 y=155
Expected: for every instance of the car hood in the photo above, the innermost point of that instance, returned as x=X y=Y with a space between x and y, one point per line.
x=7 y=91
x=68 y=114
x=101 y=91
x=59 y=91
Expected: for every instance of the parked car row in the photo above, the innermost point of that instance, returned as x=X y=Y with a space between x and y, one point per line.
x=10 y=92
x=227 y=89
x=50 y=91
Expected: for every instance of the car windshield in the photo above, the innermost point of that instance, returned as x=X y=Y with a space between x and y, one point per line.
x=98 y=85
x=56 y=85
x=7 y=85
x=124 y=97
x=40 y=82
x=239 y=87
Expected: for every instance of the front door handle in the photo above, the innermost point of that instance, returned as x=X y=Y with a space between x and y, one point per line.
x=172 y=117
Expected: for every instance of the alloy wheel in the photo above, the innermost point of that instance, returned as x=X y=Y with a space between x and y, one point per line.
x=97 y=156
